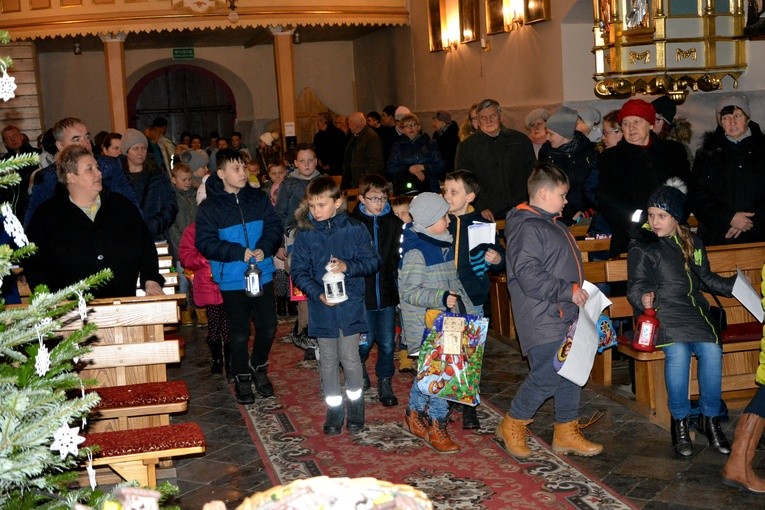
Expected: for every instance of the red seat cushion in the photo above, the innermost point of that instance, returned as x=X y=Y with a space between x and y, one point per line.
x=743 y=332
x=134 y=395
x=151 y=439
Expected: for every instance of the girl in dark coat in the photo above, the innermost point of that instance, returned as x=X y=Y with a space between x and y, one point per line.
x=668 y=269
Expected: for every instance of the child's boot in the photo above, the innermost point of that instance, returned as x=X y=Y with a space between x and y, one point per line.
x=568 y=438
x=216 y=352
x=415 y=423
x=438 y=437
x=470 y=417
x=333 y=425
x=281 y=306
x=186 y=319
x=365 y=377
x=201 y=318
x=355 y=410
x=405 y=363
x=227 y=362
x=262 y=384
x=385 y=392
x=512 y=434
x=243 y=389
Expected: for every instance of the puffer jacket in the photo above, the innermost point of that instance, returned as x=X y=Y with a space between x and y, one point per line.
x=187 y=213
x=221 y=222
x=544 y=268
x=728 y=178
x=385 y=230
x=156 y=197
x=316 y=242
x=578 y=160
x=420 y=151
x=289 y=196
x=426 y=273
x=657 y=264
x=206 y=291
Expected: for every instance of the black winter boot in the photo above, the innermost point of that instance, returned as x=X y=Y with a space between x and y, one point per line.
x=385 y=392
x=365 y=377
x=243 y=389
x=333 y=425
x=710 y=427
x=262 y=384
x=469 y=417
x=281 y=306
x=681 y=437
x=216 y=351
x=227 y=362
x=355 y=414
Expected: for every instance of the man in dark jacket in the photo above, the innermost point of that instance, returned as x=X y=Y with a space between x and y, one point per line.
x=17 y=194
x=363 y=155
x=329 y=142
x=446 y=134
x=502 y=159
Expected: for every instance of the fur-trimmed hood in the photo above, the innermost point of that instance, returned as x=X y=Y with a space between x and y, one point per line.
x=306 y=222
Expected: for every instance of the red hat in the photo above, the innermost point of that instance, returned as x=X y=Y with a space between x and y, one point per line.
x=637 y=108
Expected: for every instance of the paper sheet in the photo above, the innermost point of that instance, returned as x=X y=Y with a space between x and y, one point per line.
x=481 y=233
x=750 y=298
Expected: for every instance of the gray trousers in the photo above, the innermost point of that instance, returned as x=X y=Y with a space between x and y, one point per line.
x=334 y=352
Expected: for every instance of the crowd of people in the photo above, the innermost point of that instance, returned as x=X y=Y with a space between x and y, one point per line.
x=404 y=248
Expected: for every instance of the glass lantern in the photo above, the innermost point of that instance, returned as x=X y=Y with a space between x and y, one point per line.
x=334 y=285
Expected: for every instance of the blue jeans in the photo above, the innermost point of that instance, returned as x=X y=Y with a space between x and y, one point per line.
x=438 y=408
x=183 y=284
x=542 y=383
x=240 y=309
x=677 y=368
x=382 y=324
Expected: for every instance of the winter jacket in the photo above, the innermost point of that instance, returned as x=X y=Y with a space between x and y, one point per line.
x=447 y=141
x=472 y=268
x=385 y=230
x=113 y=178
x=578 y=160
x=657 y=264
x=315 y=243
x=544 y=269
x=330 y=148
x=206 y=291
x=156 y=197
x=290 y=195
x=187 y=213
x=227 y=223
x=420 y=151
x=71 y=247
x=728 y=178
x=503 y=164
x=363 y=155
x=628 y=175
x=426 y=274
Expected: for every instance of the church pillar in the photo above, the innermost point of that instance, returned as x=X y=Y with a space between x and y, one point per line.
x=114 y=54
x=284 y=59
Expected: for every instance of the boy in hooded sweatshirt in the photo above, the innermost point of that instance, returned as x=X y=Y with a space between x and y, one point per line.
x=544 y=277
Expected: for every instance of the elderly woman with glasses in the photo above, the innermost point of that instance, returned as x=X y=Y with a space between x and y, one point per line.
x=729 y=173
x=415 y=163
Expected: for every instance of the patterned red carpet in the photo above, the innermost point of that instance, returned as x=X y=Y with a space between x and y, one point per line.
x=288 y=432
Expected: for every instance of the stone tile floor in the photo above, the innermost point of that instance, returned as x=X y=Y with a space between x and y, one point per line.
x=637 y=460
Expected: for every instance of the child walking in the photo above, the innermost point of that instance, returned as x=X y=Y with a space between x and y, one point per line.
x=328 y=240
x=384 y=227
x=427 y=278
x=236 y=225
x=186 y=196
x=544 y=277
x=461 y=188
x=400 y=207
x=668 y=269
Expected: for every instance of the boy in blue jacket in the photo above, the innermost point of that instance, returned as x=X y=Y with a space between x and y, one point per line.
x=328 y=240
x=237 y=224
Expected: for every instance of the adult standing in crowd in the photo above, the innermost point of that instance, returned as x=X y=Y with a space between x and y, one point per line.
x=729 y=173
x=17 y=194
x=470 y=125
x=329 y=143
x=536 y=125
x=631 y=170
x=387 y=130
x=150 y=183
x=446 y=135
x=501 y=157
x=166 y=146
x=415 y=162
x=363 y=154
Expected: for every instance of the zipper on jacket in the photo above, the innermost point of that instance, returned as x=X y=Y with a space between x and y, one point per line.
x=690 y=293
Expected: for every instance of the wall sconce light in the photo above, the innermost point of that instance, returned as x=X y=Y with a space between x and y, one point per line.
x=296 y=37
x=77 y=49
x=233 y=16
x=485 y=43
x=512 y=11
x=450 y=44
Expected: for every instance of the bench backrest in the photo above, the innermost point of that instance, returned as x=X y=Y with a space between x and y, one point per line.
x=130 y=355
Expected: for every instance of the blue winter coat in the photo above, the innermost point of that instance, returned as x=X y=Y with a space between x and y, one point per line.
x=221 y=222
x=315 y=243
x=420 y=151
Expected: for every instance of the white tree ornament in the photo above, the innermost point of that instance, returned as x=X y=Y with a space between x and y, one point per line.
x=7 y=86
x=66 y=440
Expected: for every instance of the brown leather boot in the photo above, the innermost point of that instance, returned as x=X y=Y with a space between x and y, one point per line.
x=738 y=470
x=201 y=317
x=186 y=317
x=415 y=424
x=512 y=434
x=438 y=437
x=568 y=438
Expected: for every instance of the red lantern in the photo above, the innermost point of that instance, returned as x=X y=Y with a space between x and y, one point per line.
x=646 y=330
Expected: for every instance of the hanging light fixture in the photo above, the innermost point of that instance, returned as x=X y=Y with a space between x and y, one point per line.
x=233 y=16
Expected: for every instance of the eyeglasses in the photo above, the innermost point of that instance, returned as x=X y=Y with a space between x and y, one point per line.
x=376 y=200
x=410 y=125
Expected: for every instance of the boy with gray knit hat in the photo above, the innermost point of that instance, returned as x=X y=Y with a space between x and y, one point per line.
x=427 y=278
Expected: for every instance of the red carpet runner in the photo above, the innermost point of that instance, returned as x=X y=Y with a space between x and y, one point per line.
x=288 y=432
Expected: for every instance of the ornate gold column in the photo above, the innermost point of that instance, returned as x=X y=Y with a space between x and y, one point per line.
x=284 y=60
x=114 y=55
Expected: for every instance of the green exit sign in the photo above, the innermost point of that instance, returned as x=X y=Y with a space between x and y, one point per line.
x=183 y=53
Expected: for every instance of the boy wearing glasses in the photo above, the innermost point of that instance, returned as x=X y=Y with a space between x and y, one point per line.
x=381 y=292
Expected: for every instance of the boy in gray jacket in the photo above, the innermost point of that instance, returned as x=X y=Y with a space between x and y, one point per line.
x=544 y=277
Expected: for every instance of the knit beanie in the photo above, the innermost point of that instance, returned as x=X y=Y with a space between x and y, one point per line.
x=427 y=208
x=196 y=159
x=535 y=115
x=589 y=115
x=665 y=109
x=637 y=108
x=563 y=122
x=133 y=137
x=670 y=197
x=443 y=116
x=736 y=99
x=400 y=112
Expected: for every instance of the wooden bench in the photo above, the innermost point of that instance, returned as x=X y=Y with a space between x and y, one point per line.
x=134 y=454
x=740 y=342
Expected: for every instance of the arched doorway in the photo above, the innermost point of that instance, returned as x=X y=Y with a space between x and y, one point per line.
x=190 y=98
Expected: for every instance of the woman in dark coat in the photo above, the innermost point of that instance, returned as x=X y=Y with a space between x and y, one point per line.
x=415 y=163
x=729 y=177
